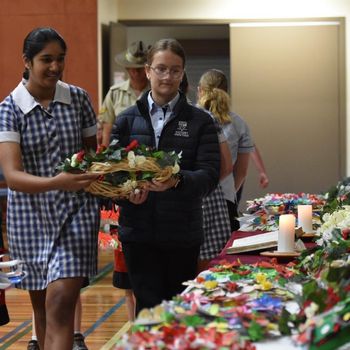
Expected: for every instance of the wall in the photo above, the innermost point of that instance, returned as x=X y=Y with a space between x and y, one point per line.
x=225 y=11
x=76 y=20
x=106 y=13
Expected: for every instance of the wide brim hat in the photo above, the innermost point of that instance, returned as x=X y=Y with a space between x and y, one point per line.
x=135 y=56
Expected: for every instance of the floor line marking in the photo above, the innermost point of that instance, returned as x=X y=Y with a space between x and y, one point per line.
x=111 y=342
x=15 y=338
x=104 y=317
x=15 y=332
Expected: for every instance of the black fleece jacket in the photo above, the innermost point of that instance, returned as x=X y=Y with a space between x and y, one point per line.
x=172 y=217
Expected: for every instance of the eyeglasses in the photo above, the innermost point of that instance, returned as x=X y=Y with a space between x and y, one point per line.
x=162 y=72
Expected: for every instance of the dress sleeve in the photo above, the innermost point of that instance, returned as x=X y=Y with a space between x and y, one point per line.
x=246 y=143
x=8 y=122
x=89 y=117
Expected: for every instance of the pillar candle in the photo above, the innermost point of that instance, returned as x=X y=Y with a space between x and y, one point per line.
x=305 y=217
x=286 y=233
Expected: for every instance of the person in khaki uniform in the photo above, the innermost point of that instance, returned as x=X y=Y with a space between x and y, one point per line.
x=119 y=97
x=124 y=94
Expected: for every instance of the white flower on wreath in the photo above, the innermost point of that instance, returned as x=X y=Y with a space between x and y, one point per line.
x=73 y=161
x=176 y=168
x=129 y=185
x=135 y=161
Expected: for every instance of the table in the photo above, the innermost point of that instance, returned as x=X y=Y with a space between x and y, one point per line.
x=246 y=257
x=253 y=257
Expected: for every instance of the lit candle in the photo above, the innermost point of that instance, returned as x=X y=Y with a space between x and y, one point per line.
x=286 y=233
x=305 y=217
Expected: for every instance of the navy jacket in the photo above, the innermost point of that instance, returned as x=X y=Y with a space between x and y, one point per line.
x=172 y=217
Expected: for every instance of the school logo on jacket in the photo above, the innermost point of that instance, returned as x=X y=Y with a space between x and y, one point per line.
x=181 y=130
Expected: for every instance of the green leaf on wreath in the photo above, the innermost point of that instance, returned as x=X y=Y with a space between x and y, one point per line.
x=116 y=155
x=146 y=175
x=117 y=178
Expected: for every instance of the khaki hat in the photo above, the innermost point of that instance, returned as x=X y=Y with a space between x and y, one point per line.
x=135 y=56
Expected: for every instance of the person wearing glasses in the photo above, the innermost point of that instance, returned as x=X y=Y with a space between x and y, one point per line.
x=124 y=94
x=161 y=226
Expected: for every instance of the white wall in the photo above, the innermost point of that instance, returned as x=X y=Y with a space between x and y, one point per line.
x=225 y=11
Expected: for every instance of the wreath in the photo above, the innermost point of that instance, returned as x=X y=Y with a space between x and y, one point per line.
x=123 y=169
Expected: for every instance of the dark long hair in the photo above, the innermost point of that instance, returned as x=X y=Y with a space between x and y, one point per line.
x=36 y=40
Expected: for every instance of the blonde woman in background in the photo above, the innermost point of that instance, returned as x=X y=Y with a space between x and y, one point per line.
x=214 y=98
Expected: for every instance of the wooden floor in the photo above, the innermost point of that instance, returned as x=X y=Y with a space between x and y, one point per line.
x=104 y=313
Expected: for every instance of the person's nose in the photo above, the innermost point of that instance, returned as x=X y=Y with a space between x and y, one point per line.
x=167 y=73
x=55 y=66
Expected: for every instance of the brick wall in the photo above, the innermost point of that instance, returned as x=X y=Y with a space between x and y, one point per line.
x=76 y=20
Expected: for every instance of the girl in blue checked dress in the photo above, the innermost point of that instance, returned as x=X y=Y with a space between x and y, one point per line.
x=50 y=226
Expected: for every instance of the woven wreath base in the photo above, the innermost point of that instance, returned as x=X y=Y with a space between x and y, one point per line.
x=105 y=189
x=149 y=164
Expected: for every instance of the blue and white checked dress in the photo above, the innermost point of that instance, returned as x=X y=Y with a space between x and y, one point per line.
x=55 y=232
x=216 y=224
x=216 y=220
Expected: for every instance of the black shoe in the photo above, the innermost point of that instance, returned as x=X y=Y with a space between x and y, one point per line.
x=79 y=343
x=33 y=345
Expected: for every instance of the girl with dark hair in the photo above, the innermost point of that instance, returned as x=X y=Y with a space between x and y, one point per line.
x=162 y=252
x=50 y=226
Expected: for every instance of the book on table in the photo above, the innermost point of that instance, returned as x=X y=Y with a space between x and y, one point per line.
x=256 y=242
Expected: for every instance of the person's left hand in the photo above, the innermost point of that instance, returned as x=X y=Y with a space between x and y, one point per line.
x=264 y=180
x=138 y=196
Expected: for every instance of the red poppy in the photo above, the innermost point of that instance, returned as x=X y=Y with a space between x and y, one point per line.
x=133 y=144
x=80 y=156
x=100 y=149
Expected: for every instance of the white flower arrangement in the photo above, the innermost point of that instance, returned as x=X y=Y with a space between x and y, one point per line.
x=336 y=221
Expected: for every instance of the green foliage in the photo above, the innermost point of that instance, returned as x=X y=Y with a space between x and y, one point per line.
x=337 y=196
x=255 y=331
x=283 y=321
x=194 y=321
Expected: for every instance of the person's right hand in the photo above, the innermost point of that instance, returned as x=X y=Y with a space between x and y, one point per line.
x=74 y=182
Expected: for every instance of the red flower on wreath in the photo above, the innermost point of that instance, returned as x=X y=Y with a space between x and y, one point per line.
x=100 y=149
x=80 y=156
x=133 y=144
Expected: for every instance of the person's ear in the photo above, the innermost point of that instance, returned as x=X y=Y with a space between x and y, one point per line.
x=26 y=62
x=147 y=70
